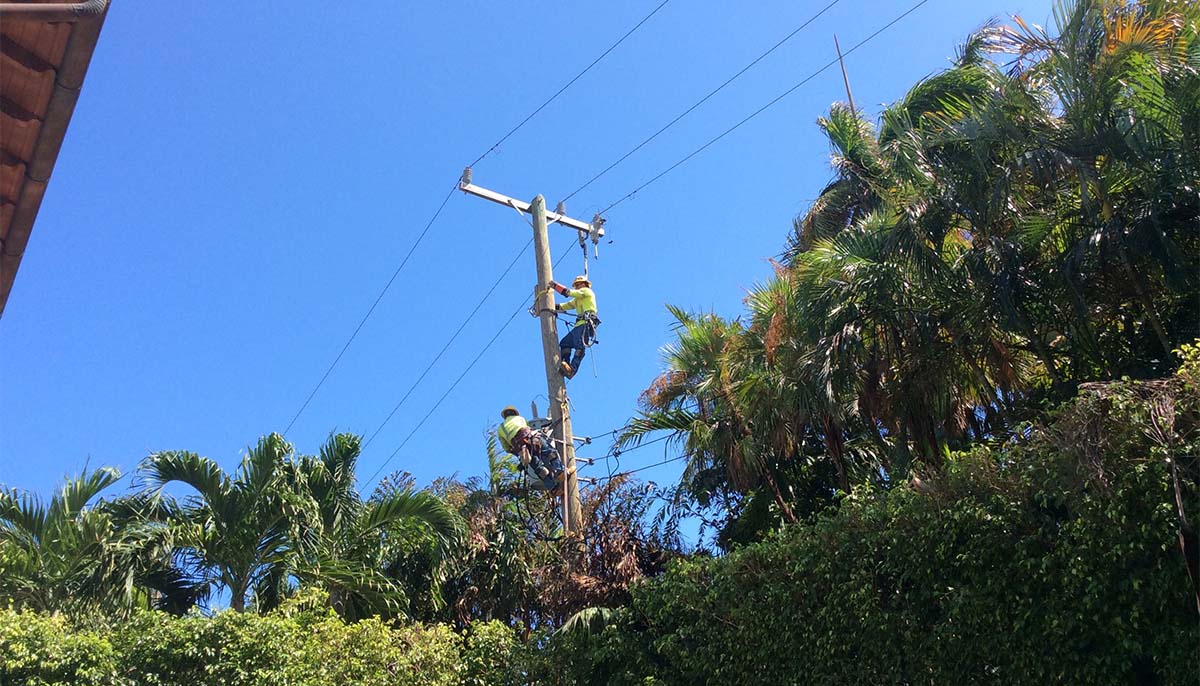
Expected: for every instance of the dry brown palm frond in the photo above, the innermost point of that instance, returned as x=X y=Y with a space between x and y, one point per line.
x=665 y=388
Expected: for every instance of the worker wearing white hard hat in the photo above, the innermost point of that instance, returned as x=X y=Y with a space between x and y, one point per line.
x=573 y=346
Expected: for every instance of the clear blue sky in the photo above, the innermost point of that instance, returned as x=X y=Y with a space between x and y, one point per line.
x=239 y=182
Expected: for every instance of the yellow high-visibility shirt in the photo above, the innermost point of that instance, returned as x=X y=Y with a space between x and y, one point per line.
x=508 y=430
x=582 y=300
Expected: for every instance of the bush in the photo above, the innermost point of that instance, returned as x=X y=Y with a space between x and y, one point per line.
x=1052 y=561
x=36 y=650
x=231 y=649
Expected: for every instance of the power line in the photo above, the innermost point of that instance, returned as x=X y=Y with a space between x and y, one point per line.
x=367 y=316
x=568 y=84
x=453 y=385
x=432 y=219
x=643 y=468
x=453 y=337
x=760 y=110
x=703 y=100
x=447 y=393
x=617 y=452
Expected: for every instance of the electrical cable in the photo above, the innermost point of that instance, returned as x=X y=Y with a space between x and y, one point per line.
x=524 y=498
x=703 y=100
x=643 y=468
x=762 y=109
x=453 y=385
x=447 y=393
x=453 y=337
x=569 y=83
x=366 y=316
x=617 y=452
x=442 y=206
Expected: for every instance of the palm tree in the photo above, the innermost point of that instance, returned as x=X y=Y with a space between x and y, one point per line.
x=490 y=569
x=67 y=555
x=351 y=543
x=236 y=532
x=1120 y=77
x=1001 y=236
x=698 y=400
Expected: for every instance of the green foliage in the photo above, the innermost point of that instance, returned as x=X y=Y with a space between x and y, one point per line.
x=77 y=552
x=284 y=518
x=1006 y=233
x=1052 y=560
x=284 y=648
x=39 y=650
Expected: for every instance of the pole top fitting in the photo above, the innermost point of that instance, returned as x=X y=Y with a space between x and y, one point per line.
x=466 y=177
x=597 y=231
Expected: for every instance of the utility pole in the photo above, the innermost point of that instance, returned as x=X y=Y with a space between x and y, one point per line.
x=556 y=386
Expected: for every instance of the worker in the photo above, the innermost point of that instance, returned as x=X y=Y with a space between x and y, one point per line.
x=574 y=345
x=536 y=453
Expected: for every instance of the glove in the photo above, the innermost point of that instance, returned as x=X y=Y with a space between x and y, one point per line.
x=558 y=287
x=559 y=308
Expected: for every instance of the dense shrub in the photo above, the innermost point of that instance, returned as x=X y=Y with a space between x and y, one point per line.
x=36 y=650
x=1052 y=560
x=233 y=649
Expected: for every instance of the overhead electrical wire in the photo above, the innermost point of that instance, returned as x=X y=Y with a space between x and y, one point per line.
x=620 y=200
x=371 y=310
x=453 y=385
x=453 y=337
x=523 y=307
x=442 y=206
x=703 y=100
x=762 y=109
x=627 y=472
x=569 y=83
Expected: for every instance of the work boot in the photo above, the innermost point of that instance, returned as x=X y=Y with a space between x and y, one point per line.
x=566 y=370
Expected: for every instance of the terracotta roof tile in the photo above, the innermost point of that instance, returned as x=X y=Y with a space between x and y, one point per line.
x=33 y=50
x=29 y=88
x=48 y=41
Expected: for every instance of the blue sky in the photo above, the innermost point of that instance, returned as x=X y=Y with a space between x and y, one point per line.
x=239 y=182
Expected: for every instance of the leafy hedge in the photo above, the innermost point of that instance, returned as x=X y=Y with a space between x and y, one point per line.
x=231 y=649
x=1052 y=561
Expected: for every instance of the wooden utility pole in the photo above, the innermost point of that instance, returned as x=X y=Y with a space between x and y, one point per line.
x=556 y=386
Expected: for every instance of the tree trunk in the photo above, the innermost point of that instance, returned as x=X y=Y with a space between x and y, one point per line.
x=237 y=596
x=1189 y=541
x=1144 y=301
x=833 y=443
x=1089 y=335
x=784 y=507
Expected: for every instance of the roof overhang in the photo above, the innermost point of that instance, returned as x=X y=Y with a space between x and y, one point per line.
x=45 y=50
